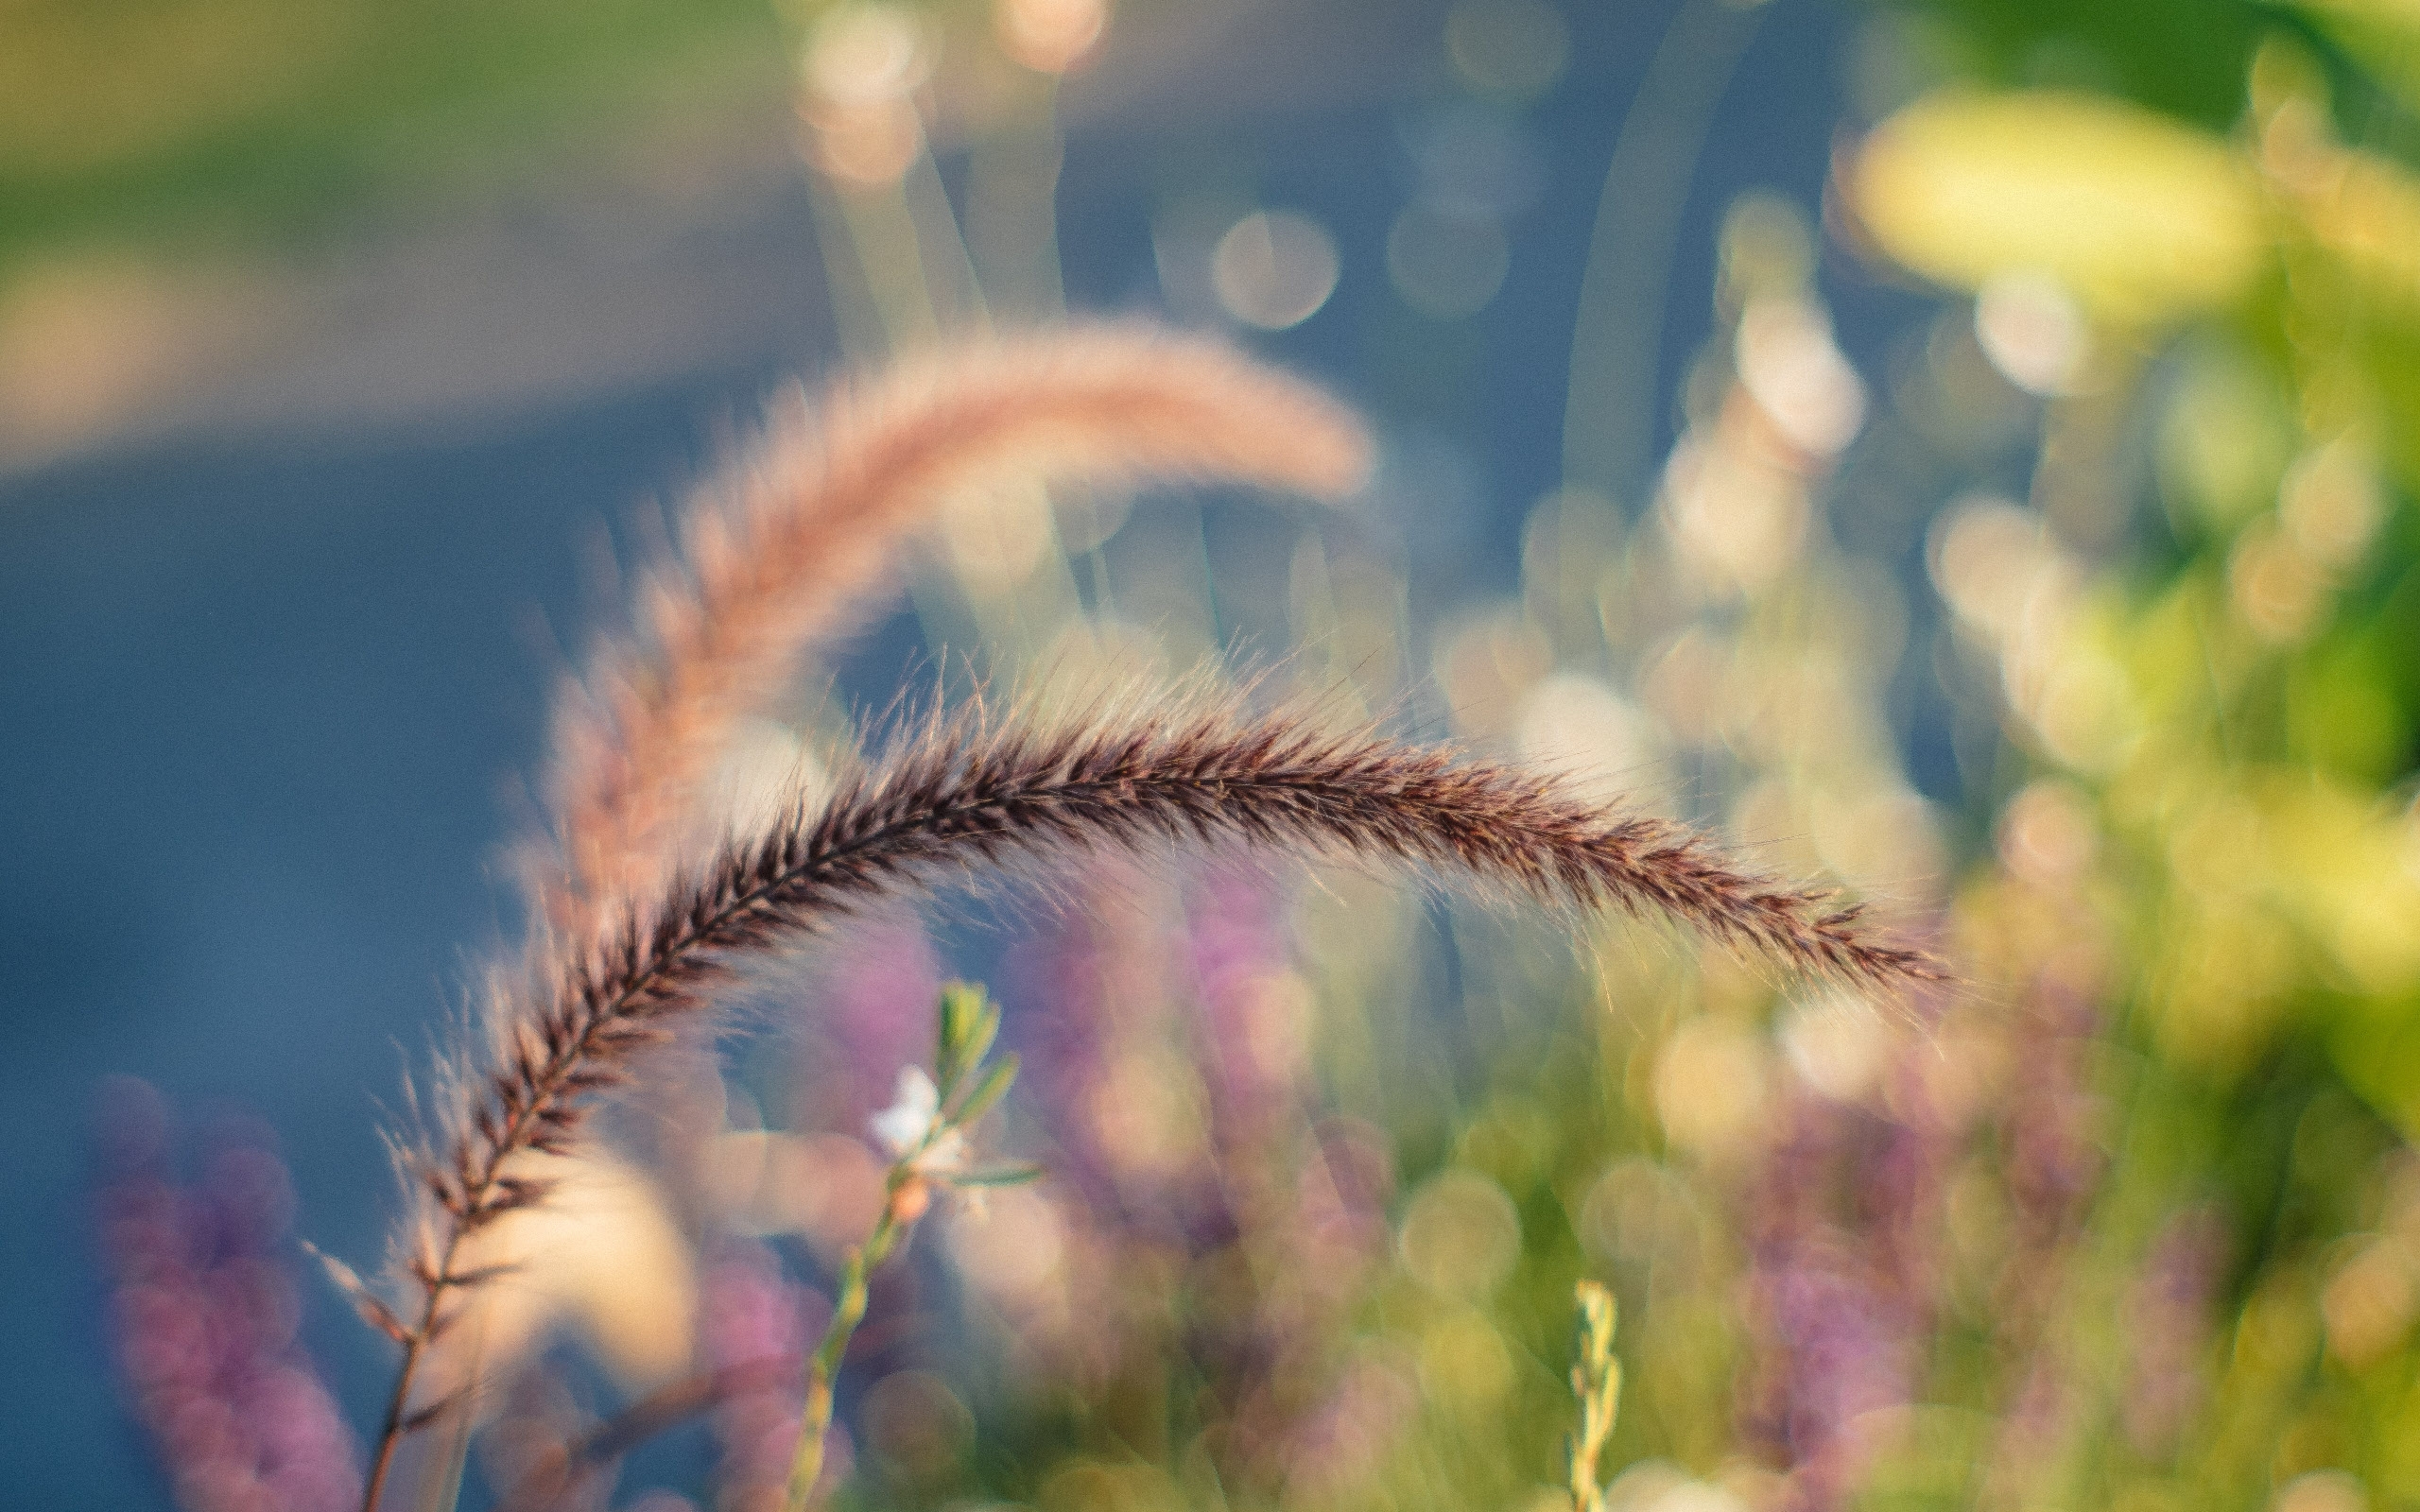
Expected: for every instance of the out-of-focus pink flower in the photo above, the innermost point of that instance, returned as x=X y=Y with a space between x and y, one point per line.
x=2168 y=1324
x=2050 y=1130
x=870 y=1014
x=1846 y=1228
x=1108 y=1035
x=1834 y=1331
x=2055 y=1156
x=1238 y=955
x=203 y=1311
x=752 y=1315
x=1167 y=1036
x=1340 y=1442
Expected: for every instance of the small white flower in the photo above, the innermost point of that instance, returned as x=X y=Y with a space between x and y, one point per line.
x=906 y=1127
x=903 y=1126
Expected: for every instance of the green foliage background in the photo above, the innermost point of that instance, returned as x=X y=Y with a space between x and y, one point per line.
x=208 y=121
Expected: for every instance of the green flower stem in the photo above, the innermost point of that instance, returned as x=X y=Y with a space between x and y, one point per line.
x=905 y=1192
x=968 y=1025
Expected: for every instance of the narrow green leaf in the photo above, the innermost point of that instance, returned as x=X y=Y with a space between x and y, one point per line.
x=993 y=1086
x=946 y=1023
x=979 y=1041
x=968 y=1024
x=997 y=1175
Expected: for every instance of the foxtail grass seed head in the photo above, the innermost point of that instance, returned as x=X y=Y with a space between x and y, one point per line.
x=785 y=550
x=976 y=793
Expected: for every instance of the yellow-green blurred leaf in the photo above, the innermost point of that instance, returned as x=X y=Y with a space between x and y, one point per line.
x=2367 y=211
x=2381 y=34
x=2345 y=864
x=2141 y=218
x=2402 y=14
x=2225 y=438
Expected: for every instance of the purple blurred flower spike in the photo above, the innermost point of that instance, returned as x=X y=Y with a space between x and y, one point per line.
x=872 y=1015
x=1236 y=941
x=2168 y=1325
x=204 y=1311
x=1845 y=1225
x=750 y=1314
